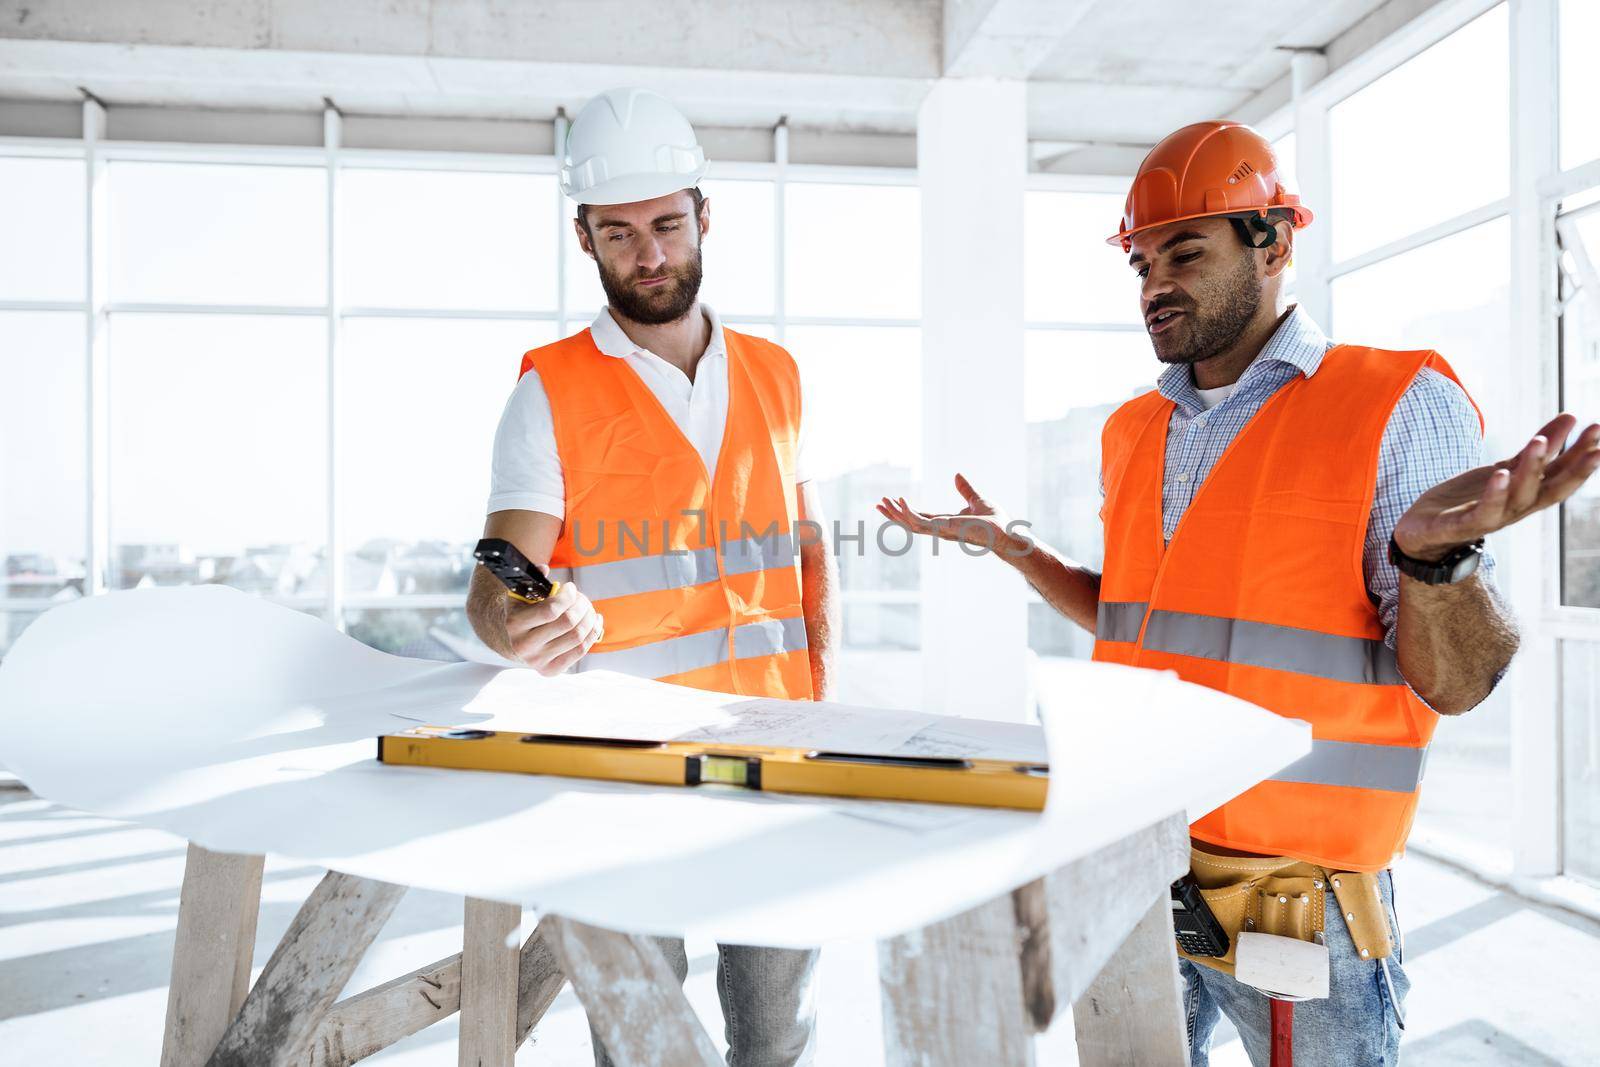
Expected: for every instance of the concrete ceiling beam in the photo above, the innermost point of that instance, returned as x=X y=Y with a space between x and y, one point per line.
x=443 y=86
x=1005 y=38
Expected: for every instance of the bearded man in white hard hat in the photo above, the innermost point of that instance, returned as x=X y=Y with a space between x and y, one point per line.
x=652 y=463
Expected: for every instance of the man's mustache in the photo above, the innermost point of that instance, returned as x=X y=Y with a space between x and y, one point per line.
x=1168 y=303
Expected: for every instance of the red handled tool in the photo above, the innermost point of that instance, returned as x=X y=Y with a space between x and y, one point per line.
x=1282 y=1032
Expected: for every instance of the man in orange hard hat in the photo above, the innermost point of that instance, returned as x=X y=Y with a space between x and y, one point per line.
x=1299 y=523
x=654 y=463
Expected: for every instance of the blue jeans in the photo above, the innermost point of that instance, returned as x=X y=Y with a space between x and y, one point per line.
x=769 y=1003
x=1354 y=1027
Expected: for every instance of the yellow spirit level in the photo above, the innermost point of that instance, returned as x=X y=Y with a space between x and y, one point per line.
x=983 y=783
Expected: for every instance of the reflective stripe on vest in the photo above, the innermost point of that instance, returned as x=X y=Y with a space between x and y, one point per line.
x=678 y=569
x=1391 y=768
x=758 y=553
x=642 y=574
x=692 y=652
x=1119 y=621
x=1256 y=644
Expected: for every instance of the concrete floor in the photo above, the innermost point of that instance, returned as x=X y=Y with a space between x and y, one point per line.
x=87 y=908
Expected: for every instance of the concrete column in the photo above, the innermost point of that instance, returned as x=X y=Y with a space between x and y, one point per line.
x=972 y=164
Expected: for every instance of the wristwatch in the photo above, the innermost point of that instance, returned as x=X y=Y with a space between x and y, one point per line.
x=1457 y=565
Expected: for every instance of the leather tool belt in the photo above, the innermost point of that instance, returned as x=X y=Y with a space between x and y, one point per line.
x=1277 y=895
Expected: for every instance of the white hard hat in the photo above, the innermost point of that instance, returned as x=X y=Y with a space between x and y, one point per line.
x=628 y=145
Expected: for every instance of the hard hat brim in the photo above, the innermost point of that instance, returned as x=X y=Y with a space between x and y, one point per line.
x=633 y=188
x=1301 y=216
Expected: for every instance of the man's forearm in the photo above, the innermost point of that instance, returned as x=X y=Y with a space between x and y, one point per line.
x=1453 y=641
x=486 y=611
x=1071 y=589
x=819 y=600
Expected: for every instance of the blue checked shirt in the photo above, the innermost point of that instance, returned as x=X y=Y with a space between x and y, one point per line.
x=1432 y=435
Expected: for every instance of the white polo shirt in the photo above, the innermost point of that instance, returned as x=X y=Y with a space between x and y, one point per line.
x=526 y=475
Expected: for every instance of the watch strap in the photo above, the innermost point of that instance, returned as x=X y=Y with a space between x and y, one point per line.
x=1430 y=572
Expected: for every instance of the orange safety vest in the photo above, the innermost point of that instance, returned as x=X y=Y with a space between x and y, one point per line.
x=1261 y=594
x=699 y=583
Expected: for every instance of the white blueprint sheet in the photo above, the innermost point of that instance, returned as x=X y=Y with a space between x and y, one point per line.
x=607 y=704
x=249 y=727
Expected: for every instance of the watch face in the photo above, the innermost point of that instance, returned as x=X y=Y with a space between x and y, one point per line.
x=1466 y=567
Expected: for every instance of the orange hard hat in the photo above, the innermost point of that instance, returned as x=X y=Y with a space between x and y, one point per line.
x=1204 y=170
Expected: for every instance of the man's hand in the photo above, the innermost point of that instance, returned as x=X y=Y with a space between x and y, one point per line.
x=554 y=634
x=1071 y=589
x=979 y=523
x=1490 y=498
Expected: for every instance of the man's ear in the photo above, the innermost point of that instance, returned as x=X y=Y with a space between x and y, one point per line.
x=705 y=217
x=583 y=238
x=1281 y=252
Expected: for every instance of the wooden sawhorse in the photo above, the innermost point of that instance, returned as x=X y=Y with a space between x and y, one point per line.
x=972 y=989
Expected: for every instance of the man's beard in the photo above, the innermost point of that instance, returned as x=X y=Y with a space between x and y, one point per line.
x=657 y=305
x=1216 y=331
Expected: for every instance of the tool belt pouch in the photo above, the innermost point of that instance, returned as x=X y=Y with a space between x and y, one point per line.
x=1361 y=905
x=1286 y=897
x=1265 y=904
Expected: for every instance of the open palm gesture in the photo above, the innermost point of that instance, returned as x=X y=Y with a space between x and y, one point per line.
x=980 y=523
x=1489 y=498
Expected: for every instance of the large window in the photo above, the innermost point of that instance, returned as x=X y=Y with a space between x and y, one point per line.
x=1442 y=120
x=1578 y=243
x=447 y=277
x=218 y=455
x=216 y=416
x=853 y=251
x=866 y=379
x=241 y=382
x=448 y=239
x=43 y=399
x=43 y=482
x=1579 y=236
x=1071 y=276
x=421 y=399
x=1580 y=82
x=851 y=305
x=1074 y=379
x=1085 y=352
x=1456 y=294
x=738 y=257
x=42 y=230
x=1580 y=757
x=198 y=233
